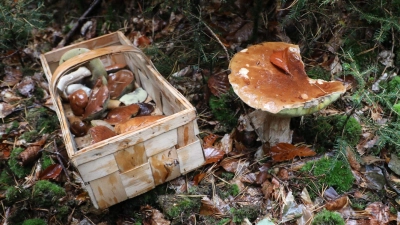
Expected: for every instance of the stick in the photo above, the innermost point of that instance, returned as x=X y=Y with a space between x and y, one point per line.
x=67 y=37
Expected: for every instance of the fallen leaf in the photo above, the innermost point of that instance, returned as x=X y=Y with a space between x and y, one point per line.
x=5 y=109
x=208 y=208
x=262 y=176
x=219 y=83
x=213 y=155
x=230 y=164
x=51 y=172
x=198 y=178
x=337 y=204
x=394 y=164
x=374 y=177
x=270 y=188
x=153 y=216
x=283 y=174
x=352 y=159
x=249 y=178
x=209 y=140
x=285 y=151
x=13 y=76
x=379 y=213
x=26 y=86
x=5 y=151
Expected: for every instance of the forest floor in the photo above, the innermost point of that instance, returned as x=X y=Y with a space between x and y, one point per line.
x=341 y=167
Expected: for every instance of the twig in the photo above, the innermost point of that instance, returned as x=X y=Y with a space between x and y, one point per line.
x=67 y=37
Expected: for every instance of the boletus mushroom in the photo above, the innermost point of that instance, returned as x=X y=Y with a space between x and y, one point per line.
x=97 y=104
x=122 y=114
x=99 y=133
x=120 y=83
x=271 y=78
x=78 y=100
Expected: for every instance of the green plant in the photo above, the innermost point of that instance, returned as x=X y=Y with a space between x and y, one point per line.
x=234 y=189
x=227 y=176
x=46 y=194
x=30 y=136
x=34 y=222
x=326 y=217
x=5 y=180
x=223 y=109
x=17 y=20
x=184 y=205
x=42 y=120
x=248 y=211
x=323 y=131
x=329 y=172
x=15 y=194
x=15 y=167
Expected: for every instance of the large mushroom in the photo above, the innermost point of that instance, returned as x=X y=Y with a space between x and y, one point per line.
x=270 y=77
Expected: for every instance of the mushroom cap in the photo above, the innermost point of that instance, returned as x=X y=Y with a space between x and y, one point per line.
x=270 y=76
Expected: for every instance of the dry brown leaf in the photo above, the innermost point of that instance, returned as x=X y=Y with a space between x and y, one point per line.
x=270 y=189
x=13 y=76
x=283 y=174
x=197 y=179
x=51 y=172
x=379 y=213
x=230 y=164
x=5 y=109
x=337 y=204
x=26 y=86
x=5 y=151
x=352 y=159
x=285 y=151
x=249 y=178
x=262 y=176
x=219 y=83
x=213 y=155
x=153 y=216
x=209 y=140
x=208 y=208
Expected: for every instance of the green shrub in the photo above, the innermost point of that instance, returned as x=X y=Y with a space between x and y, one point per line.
x=326 y=217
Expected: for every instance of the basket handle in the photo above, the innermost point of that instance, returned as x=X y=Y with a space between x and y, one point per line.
x=83 y=58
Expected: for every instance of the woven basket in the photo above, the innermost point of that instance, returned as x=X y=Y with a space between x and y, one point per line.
x=132 y=163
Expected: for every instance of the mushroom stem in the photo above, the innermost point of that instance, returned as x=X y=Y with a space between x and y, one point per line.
x=271 y=128
x=276 y=129
x=70 y=78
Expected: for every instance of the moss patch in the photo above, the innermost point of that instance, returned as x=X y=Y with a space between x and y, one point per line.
x=42 y=120
x=331 y=172
x=46 y=194
x=326 y=217
x=34 y=222
x=14 y=194
x=17 y=169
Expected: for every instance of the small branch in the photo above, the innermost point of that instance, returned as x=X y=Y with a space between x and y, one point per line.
x=67 y=38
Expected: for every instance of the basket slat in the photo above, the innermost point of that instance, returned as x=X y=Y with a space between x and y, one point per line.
x=190 y=157
x=108 y=190
x=131 y=157
x=161 y=142
x=138 y=180
x=165 y=166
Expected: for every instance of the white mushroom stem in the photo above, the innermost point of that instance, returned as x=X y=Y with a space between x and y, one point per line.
x=70 y=78
x=271 y=128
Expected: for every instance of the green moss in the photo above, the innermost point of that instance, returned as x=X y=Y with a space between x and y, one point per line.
x=394 y=85
x=14 y=125
x=46 y=194
x=30 y=136
x=326 y=217
x=318 y=72
x=323 y=131
x=223 y=109
x=330 y=172
x=249 y=211
x=17 y=215
x=46 y=160
x=184 y=205
x=14 y=194
x=17 y=169
x=34 y=222
x=5 y=180
x=227 y=176
x=62 y=213
x=234 y=189
x=396 y=108
x=42 y=120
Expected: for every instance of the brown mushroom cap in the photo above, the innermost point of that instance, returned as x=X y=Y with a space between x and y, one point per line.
x=78 y=101
x=99 y=133
x=122 y=114
x=119 y=83
x=271 y=77
x=97 y=103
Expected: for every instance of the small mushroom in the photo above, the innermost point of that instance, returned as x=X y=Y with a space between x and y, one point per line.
x=122 y=114
x=70 y=78
x=79 y=128
x=97 y=104
x=95 y=66
x=74 y=87
x=78 y=101
x=270 y=77
x=119 y=83
x=137 y=96
x=115 y=67
x=99 y=133
x=145 y=109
